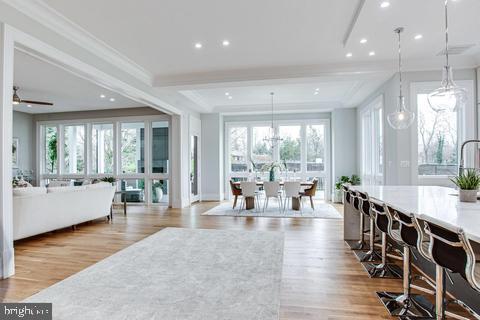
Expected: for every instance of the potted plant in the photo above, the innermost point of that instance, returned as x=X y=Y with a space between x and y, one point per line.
x=468 y=183
x=338 y=194
x=158 y=191
x=355 y=180
x=271 y=167
x=111 y=180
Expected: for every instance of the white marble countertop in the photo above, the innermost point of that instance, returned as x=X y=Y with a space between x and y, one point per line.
x=438 y=205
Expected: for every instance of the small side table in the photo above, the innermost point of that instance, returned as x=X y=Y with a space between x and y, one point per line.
x=123 y=195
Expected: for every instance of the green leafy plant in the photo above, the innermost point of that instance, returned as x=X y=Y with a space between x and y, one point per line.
x=355 y=180
x=342 y=180
x=108 y=179
x=467 y=180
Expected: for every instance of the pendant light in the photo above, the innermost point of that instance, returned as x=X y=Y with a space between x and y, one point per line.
x=402 y=118
x=274 y=138
x=449 y=96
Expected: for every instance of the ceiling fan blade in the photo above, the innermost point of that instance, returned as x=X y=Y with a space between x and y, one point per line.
x=37 y=102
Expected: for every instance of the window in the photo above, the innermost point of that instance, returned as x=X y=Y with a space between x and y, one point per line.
x=372 y=143
x=437 y=136
x=160 y=147
x=304 y=150
x=290 y=147
x=74 y=149
x=50 y=149
x=261 y=149
x=132 y=147
x=437 y=140
x=102 y=148
x=238 y=149
x=116 y=147
x=316 y=147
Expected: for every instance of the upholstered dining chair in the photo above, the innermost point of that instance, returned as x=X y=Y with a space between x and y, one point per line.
x=310 y=192
x=292 y=190
x=272 y=190
x=236 y=191
x=249 y=190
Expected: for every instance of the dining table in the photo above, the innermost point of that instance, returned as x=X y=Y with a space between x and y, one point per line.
x=250 y=201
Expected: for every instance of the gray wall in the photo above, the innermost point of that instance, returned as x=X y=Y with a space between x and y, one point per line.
x=398 y=143
x=212 y=157
x=24 y=129
x=344 y=142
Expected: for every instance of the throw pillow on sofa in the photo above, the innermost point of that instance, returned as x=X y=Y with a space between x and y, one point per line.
x=59 y=183
x=65 y=189
x=28 y=191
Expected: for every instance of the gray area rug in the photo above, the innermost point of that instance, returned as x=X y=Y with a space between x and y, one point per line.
x=178 y=274
x=322 y=210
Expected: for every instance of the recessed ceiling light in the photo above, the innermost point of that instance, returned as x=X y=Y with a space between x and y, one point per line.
x=198 y=45
x=371 y=53
x=29 y=105
x=349 y=55
x=227 y=93
x=418 y=37
x=317 y=89
x=226 y=43
x=112 y=99
x=385 y=4
x=230 y=97
x=102 y=96
x=363 y=41
x=316 y=92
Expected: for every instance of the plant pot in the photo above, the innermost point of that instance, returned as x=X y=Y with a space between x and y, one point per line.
x=467 y=195
x=159 y=194
x=272 y=175
x=338 y=196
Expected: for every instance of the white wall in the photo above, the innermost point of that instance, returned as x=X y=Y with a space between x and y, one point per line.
x=344 y=143
x=212 y=157
x=24 y=129
x=398 y=143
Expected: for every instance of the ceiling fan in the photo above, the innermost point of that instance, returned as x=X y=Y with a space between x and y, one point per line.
x=16 y=99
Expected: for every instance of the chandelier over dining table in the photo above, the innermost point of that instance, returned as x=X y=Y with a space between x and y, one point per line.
x=273 y=138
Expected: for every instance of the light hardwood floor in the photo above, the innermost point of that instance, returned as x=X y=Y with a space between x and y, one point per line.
x=321 y=277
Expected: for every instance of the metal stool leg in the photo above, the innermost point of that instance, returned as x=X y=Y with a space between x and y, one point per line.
x=384 y=269
x=372 y=255
x=407 y=305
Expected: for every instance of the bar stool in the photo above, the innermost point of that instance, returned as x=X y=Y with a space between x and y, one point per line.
x=384 y=222
x=354 y=201
x=450 y=250
x=371 y=255
x=405 y=304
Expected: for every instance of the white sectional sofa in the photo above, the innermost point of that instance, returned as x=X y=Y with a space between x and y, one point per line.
x=38 y=209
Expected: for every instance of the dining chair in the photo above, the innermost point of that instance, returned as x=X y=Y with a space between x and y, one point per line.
x=292 y=190
x=272 y=190
x=236 y=191
x=249 y=190
x=310 y=192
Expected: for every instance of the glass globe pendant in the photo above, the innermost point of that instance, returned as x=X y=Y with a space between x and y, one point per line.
x=449 y=96
x=402 y=118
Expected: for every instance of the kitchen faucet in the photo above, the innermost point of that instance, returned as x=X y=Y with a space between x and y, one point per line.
x=460 y=166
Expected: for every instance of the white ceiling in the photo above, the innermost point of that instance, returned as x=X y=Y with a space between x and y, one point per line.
x=290 y=47
x=42 y=81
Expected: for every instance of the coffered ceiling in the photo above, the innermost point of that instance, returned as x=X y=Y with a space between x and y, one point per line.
x=291 y=47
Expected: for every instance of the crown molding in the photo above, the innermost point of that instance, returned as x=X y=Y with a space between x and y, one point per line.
x=279 y=108
x=50 y=18
x=255 y=76
x=197 y=99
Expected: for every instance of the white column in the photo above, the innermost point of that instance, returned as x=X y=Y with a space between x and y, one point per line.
x=179 y=189
x=7 y=267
